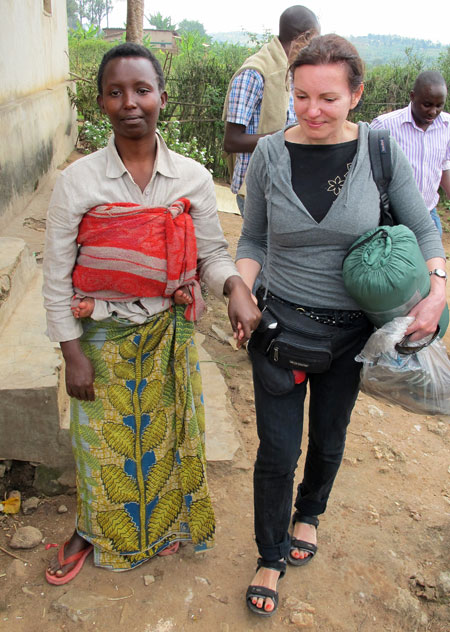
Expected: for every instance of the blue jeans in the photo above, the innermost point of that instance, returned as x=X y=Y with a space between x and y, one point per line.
x=436 y=219
x=280 y=426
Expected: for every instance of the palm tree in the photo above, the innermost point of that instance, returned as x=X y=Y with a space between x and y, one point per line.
x=135 y=21
x=161 y=23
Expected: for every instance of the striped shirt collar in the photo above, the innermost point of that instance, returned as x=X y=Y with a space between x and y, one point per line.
x=438 y=122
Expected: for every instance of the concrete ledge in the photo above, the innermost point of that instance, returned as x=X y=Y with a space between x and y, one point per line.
x=222 y=439
x=17 y=268
x=29 y=427
x=33 y=411
x=226 y=201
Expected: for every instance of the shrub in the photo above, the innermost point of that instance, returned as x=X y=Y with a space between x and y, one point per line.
x=197 y=83
x=170 y=131
x=95 y=135
x=387 y=87
x=197 y=87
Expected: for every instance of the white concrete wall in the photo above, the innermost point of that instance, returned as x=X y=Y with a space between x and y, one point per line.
x=37 y=124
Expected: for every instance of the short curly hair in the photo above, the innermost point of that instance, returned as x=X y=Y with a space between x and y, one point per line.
x=129 y=50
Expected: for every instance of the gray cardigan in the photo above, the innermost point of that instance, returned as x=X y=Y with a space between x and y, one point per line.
x=305 y=257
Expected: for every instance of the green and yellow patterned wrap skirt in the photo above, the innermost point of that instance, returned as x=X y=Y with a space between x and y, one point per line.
x=139 y=447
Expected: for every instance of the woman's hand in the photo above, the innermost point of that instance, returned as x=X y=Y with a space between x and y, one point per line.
x=428 y=311
x=243 y=312
x=80 y=373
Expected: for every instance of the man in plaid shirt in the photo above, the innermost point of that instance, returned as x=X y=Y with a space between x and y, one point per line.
x=248 y=87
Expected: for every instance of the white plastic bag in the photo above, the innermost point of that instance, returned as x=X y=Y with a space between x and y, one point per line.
x=419 y=382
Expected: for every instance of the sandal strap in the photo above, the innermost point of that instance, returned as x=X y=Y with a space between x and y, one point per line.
x=278 y=565
x=72 y=558
x=262 y=591
x=308 y=547
x=299 y=517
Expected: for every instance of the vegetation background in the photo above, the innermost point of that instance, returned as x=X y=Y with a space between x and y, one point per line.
x=197 y=80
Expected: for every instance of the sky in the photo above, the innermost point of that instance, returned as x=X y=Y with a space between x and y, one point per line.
x=347 y=17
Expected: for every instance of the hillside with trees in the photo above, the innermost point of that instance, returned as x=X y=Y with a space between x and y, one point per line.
x=374 y=49
x=197 y=77
x=382 y=49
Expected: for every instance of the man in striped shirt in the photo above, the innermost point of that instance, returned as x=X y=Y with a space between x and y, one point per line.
x=423 y=131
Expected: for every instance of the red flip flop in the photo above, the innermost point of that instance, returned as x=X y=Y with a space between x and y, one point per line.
x=79 y=558
x=170 y=550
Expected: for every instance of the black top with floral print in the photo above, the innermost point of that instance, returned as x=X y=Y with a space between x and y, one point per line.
x=318 y=173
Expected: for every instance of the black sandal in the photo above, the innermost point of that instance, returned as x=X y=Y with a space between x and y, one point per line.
x=302 y=545
x=262 y=591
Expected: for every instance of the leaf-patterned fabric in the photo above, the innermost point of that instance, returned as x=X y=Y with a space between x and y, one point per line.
x=139 y=447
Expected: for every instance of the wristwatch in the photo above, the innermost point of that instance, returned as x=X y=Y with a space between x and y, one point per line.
x=439 y=272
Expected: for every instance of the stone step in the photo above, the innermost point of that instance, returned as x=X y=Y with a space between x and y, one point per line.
x=34 y=419
x=17 y=268
x=226 y=201
x=223 y=443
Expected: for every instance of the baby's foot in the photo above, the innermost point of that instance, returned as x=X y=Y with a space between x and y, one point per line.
x=83 y=308
x=182 y=296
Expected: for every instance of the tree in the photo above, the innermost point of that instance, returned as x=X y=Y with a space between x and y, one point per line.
x=135 y=21
x=96 y=10
x=191 y=26
x=73 y=16
x=91 y=11
x=161 y=23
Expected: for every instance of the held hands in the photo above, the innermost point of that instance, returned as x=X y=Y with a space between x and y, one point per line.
x=243 y=312
x=80 y=373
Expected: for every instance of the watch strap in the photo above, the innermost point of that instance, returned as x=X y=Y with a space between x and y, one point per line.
x=439 y=272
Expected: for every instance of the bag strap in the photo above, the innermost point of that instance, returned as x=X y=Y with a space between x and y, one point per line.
x=402 y=346
x=380 y=161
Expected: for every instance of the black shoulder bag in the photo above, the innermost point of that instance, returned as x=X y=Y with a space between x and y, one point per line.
x=380 y=162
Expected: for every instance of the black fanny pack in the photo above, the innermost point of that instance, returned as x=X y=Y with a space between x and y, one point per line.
x=293 y=338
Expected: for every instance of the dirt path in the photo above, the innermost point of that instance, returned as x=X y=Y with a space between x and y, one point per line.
x=383 y=561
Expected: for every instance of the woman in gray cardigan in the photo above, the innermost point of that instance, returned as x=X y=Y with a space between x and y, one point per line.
x=310 y=194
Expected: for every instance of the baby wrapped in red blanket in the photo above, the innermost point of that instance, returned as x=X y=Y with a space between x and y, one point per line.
x=127 y=252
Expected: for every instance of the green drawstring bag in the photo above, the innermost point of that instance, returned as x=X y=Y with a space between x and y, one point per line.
x=385 y=273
